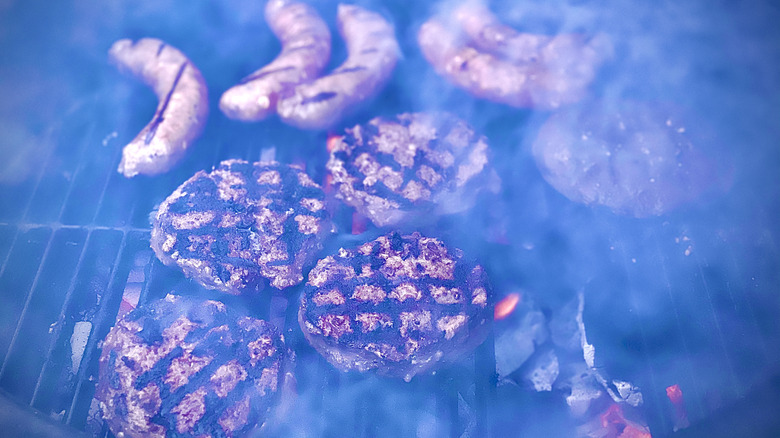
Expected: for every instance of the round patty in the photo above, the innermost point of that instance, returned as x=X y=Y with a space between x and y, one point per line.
x=398 y=304
x=417 y=163
x=184 y=367
x=242 y=226
x=637 y=159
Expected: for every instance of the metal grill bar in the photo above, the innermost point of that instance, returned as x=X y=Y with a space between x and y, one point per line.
x=656 y=400
x=28 y=203
x=27 y=300
x=667 y=284
x=733 y=381
x=97 y=327
x=55 y=226
x=60 y=322
x=90 y=227
x=748 y=303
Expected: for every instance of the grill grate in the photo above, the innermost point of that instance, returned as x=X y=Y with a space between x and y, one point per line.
x=689 y=299
x=60 y=270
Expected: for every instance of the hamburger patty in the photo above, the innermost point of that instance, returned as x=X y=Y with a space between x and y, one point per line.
x=187 y=367
x=398 y=304
x=242 y=225
x=635 y=158
x=391 y=169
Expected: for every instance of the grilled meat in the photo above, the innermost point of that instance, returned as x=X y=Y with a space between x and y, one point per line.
x=398 y=305
x=494 y=62
x=184 y=367
x=305 y=52
x=181 y=113
x=391 y=170
x=372 y=54
x=242 y=225
x=634 y=158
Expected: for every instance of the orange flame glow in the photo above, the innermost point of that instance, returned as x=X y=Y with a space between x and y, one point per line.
x=359 y=223
x=675 y=394
x=332 y=141
x=328 y=183
x=680 y=414
x=506 y=306
x=615 y=424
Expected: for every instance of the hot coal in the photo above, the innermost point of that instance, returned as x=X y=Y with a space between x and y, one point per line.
x=185 y=367
x=399 y=305
x=516 y=339
x=393 y=170
x=242 y=226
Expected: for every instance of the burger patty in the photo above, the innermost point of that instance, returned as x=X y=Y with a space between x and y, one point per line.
x=181 y=367
x=242 y=225
x=635 y=158
x=398 y=304
x=418 y=163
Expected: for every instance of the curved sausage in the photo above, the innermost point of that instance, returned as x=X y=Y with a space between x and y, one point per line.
x=181 y=112
x=539 y=72
x=488 y=34
x=372 y=52
x=305 y=52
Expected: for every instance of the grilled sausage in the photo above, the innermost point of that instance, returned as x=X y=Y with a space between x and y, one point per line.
x=487 y=34
x=399 y=305
x=243 y=226
x=305 y=51
x=190 y=368
x=181 y=112
x=540 y=72
x=372 y=54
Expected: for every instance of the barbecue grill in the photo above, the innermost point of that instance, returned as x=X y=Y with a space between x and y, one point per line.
x=683 y=306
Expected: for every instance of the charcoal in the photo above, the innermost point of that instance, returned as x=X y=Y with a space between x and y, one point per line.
x=543 y=370
x=517 y=338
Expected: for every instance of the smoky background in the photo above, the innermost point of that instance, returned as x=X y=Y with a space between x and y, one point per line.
x=687 y=298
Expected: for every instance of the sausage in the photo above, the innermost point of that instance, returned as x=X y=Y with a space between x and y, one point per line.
x=538 y=72
x=181 y=112
x=305 y=52
x=488 y=34
x=372 y=52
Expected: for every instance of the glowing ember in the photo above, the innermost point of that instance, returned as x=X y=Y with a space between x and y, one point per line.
x=674 y=393
x=680 y=415
x=506 y=306
x=328 y=186
x=616 y=425
x=359 y=223
x=332 y=141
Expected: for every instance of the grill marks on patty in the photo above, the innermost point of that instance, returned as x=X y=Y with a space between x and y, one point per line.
x=188 y=368
x=241 y=225
x=419 y=297
x=388 y=167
